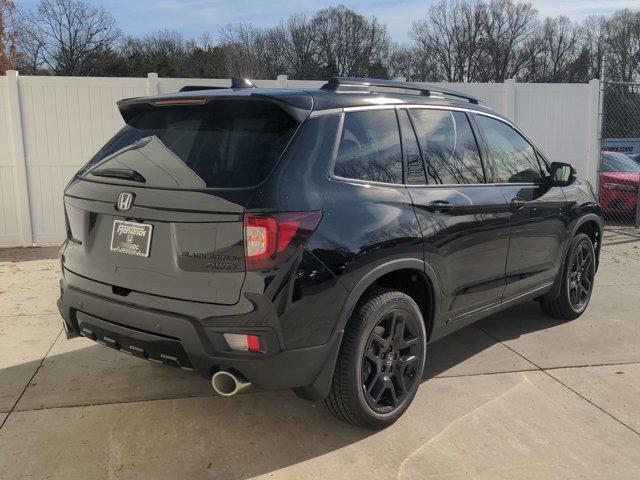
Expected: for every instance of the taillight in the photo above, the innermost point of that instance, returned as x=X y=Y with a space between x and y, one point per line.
x=67 y=223
x=272 y=238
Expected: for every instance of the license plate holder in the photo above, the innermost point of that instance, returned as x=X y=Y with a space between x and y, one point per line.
x=131 y=238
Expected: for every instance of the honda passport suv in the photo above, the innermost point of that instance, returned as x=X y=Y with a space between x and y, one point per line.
x=318 y=240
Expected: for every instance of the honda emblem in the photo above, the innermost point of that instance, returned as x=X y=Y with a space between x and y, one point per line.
x=125 y=200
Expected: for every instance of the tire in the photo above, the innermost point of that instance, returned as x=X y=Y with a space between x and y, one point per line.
x=576 y=282
x=382 y=356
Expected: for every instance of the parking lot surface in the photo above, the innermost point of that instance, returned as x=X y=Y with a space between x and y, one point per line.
x=518 y=395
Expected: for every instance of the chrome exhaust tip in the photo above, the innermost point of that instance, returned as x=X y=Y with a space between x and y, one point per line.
x=227 y=383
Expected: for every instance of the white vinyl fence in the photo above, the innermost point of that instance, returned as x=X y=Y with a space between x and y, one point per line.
x=51 y=126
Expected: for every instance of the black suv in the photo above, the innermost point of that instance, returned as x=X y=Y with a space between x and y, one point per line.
x=318 y=239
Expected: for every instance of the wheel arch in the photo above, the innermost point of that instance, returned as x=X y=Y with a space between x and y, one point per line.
x=383 y=271
x=320 y=388
x=592 y=225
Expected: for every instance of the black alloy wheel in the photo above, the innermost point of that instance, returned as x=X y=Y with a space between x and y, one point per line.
x=580 y=277
x=390 y=361
x=576 y=284
x=381 y=360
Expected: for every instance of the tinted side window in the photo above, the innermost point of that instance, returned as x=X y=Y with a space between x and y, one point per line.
x=415 y=167
x=514 y=158
x=449 y=147
x=370 y=147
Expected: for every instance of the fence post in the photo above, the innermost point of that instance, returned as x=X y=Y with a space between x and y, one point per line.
x=594 y=133
x=283 y=81
x=153 y=83
x=20 y=174
x=509 y=99
x=637 y=222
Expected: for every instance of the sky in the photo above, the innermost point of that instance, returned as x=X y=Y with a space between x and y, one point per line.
x=194 y=17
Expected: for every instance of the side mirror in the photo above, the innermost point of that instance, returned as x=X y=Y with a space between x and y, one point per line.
x=561 y=174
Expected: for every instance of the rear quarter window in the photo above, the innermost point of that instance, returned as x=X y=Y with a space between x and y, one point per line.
x=222 y=144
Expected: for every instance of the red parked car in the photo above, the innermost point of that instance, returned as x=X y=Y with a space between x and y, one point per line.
x=619 y=179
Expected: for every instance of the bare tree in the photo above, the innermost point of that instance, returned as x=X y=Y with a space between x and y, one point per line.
x=413 y=63
x=554 y=51
x=623 y=45
x=243 y=44
x=593 y=40
x=31 y=50
x=506 y=28
x=452 y=33
x=8 y=35
x=205 y=58
x=74 y=35
x=164 y=52
x=296 y=42
x=349 y=43
x=269 y=48
x=456 y=41
x=476 y=40
x=335 y=41
x=401 y=62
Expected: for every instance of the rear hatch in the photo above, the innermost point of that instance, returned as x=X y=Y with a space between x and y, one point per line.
x=159 y=209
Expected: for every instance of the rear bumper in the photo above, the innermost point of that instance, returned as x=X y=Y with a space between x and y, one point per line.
x=181 y=341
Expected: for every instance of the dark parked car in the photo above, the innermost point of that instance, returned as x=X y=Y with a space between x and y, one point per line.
x=619 y=179
x=318 y=239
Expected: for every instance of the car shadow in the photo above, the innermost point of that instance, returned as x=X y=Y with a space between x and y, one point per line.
x=251 y=434
x=28 y=254
x=149 y=411
x=466 y=343
x=517 y=321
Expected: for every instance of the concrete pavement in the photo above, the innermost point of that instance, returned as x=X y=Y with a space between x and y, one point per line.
x=518 y=395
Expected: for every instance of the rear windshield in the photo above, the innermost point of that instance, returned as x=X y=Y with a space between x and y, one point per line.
x=224 y=144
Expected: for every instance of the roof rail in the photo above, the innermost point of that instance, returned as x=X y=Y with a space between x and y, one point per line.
x=358 y=85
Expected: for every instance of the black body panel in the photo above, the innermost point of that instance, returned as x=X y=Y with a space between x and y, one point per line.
x=538 y=235
x=466 y=245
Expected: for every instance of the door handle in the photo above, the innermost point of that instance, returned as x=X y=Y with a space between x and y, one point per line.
x=517 y=203
x=441 y=206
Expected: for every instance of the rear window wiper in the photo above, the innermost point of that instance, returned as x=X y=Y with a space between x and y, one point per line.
x=141 y=142
x=123 y=173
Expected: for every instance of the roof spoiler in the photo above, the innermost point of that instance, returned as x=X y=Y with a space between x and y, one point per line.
x=363 y=85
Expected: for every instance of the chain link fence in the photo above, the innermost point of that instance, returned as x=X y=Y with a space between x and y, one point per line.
x=619 y=170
